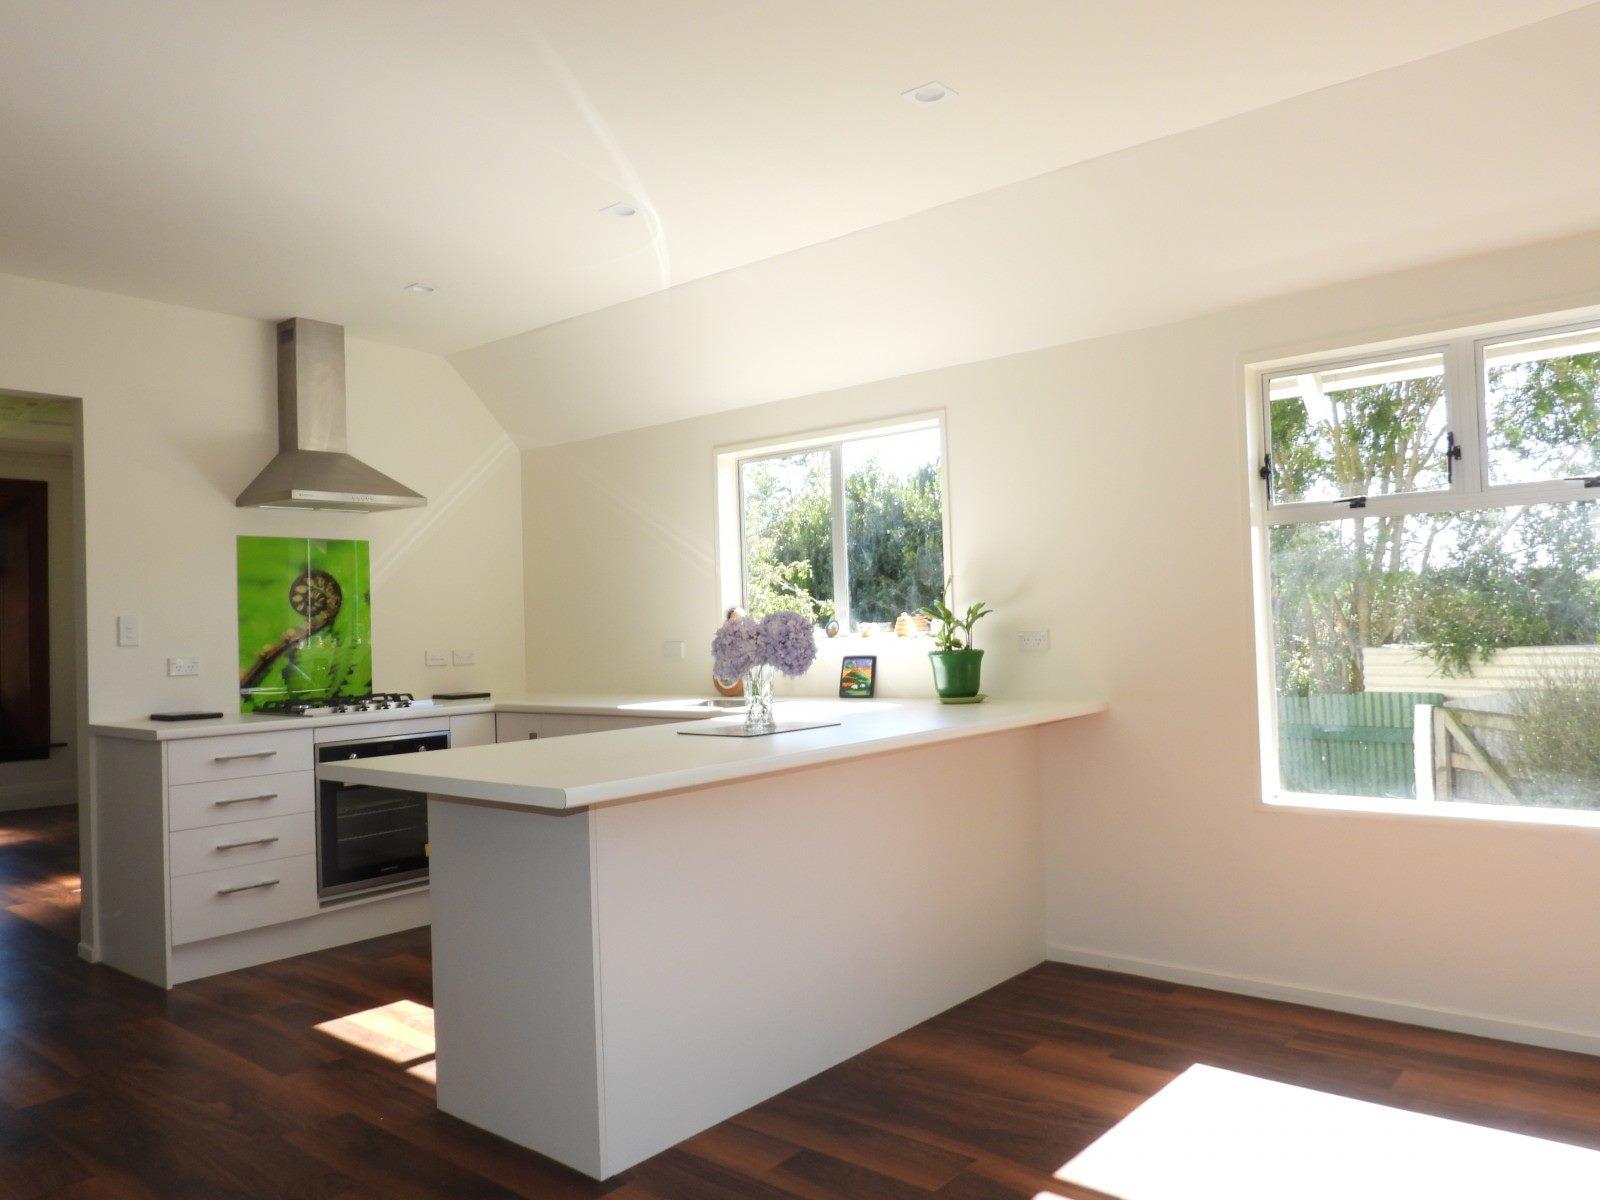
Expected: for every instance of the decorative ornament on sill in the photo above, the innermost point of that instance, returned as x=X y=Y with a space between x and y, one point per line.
x=754 y=650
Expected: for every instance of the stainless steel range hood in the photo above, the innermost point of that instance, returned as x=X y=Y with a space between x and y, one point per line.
x=312 y=469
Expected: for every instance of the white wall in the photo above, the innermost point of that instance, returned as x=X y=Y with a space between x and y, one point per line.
x=1100 y=490
x=52 y=780
x=179 y=413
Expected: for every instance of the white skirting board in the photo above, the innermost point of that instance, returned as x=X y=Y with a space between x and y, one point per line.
x=333 y=927
x=1347 y=1002
x=44 y=793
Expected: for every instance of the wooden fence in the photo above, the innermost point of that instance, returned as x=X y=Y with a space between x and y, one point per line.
x=1358 y=744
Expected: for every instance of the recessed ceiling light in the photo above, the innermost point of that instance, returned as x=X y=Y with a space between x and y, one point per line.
x=422 y=289
x=929 y=93
x=620 y=209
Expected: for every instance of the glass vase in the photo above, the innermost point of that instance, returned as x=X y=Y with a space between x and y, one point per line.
x=758 y=697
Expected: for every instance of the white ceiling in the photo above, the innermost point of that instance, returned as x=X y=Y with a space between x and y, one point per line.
x=1495 y=144
x=275 y=157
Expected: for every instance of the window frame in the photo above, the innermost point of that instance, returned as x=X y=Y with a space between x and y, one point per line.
x=1466 y=406
x=731 y=460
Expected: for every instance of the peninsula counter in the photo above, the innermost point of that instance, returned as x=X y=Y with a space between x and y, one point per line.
x=639 y=933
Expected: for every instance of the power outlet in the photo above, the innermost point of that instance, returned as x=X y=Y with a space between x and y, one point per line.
x=672 y=650
x=1033 y=641
x=436 y=658
x=462 y=658
x=180 y=668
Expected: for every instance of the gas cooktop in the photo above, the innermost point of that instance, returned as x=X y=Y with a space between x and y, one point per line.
x=339 y=706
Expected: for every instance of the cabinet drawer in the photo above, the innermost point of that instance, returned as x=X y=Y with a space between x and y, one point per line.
x=197 y=760
x=241 y=844
x=194 y=805
x=214 y=903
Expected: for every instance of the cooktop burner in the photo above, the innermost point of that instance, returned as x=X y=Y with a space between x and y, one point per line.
x=335 y=706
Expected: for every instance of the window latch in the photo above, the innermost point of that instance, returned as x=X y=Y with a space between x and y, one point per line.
x=1355 y=501
x=1265 y=472
x=1591 y=481
x=1452 y=455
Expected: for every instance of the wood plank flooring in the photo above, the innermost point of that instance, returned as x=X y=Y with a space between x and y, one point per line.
x=114 y=1090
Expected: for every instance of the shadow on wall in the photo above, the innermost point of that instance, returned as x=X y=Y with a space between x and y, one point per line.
x=425 y=519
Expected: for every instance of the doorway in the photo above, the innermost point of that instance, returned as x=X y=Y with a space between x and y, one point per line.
x=42 y=666
x=24 y=620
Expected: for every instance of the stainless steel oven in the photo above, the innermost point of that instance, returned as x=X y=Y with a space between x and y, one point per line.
x=371 y=837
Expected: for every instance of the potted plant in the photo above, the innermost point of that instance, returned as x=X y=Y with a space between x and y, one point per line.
x=957 y=666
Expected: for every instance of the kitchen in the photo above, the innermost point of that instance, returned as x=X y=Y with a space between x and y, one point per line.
x=430 y=442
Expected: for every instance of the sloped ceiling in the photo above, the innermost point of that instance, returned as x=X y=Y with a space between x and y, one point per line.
x=276 y=157
x=1492 y=145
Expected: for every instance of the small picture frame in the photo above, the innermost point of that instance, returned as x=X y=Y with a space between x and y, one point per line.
x=858 y=676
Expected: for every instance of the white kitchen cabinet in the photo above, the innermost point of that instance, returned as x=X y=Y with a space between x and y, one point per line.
x=240 y=844
x=200 y=760
x=214 y=903
x=475 y=729
x=519 y=727
x=252 y=798
x=207 y=852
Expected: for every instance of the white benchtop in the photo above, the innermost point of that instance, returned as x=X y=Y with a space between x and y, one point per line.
x=557 y=774
x=144 y=729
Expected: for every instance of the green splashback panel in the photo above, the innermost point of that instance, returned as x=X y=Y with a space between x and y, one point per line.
x=305 y=619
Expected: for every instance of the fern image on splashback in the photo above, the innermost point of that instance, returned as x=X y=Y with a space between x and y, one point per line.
x=305 y=620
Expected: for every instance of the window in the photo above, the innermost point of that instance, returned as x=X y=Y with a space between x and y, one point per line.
x=849 y=528
x=1430 y=584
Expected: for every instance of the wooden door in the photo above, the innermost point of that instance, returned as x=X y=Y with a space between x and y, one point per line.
x=24 y=621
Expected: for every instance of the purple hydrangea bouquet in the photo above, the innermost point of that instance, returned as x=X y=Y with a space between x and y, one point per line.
x=744 y=647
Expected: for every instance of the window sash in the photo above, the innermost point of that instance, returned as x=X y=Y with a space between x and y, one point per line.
x=1466 y=388
x=839 y=518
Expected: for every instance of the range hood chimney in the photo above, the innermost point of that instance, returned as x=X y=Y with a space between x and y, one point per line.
x=312 y=469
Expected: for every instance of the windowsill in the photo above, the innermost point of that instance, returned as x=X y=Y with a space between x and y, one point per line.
x=858 y=642
x=1433 y=810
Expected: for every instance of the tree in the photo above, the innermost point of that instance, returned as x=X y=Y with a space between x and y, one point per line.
x=788 y=536
x=1457 y=585
x=894 y=534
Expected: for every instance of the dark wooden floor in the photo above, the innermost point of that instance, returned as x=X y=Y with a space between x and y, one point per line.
x=110 y=1088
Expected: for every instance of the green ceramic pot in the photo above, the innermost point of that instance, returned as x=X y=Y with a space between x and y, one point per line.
x=956 y=672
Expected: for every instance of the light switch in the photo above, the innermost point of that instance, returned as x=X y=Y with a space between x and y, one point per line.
x=462 y=658
x=183 y=667
x=436 y=658
x=127 y=630
x=1033 y=641
x=671 y=649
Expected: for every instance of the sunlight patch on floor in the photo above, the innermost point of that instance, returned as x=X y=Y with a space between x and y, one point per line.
x=1218 y=1135
x=401 y=1032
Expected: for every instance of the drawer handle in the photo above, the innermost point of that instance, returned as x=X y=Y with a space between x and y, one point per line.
x=261 y=841
x=247 y=887
x=245 y=799
x=237 y=757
